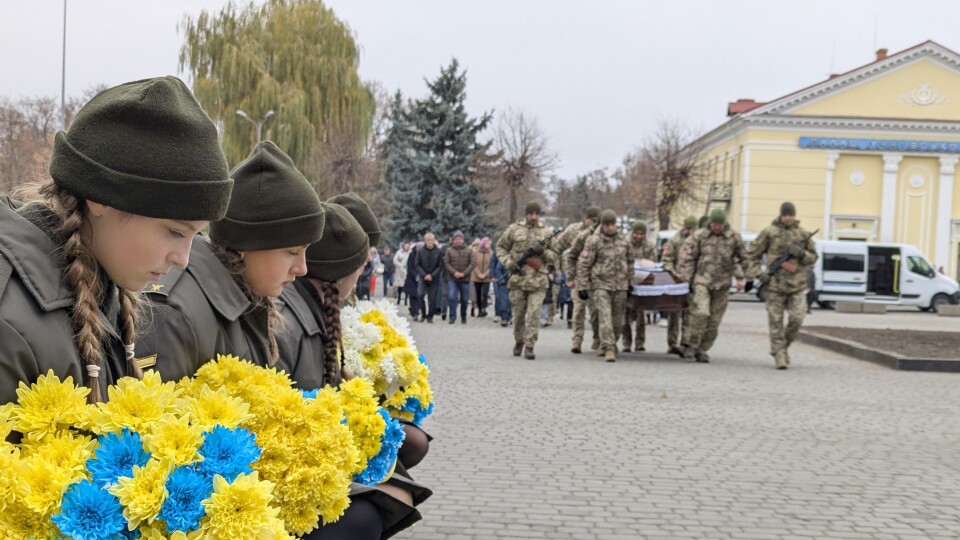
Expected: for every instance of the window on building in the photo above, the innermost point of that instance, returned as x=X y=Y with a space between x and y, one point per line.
x=843 y=262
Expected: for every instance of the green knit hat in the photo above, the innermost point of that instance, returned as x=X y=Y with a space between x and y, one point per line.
x=717 y=215
x=362 y=212
x=639 y=225
x=147 y=148
x=273 y=205
x=343 y=248
x=690 y=222
x=593 y=212
x=608 y=217
x=532 y=207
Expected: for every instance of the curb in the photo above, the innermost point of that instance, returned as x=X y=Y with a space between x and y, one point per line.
x=877 y=356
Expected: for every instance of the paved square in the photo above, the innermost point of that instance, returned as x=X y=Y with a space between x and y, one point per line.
x=569 y=447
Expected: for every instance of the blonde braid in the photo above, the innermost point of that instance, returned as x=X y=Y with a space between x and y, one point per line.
x=129 y=315
x=83 y=277
x=232 y=261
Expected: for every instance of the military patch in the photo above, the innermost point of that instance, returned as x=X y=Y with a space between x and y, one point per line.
x=147 y=361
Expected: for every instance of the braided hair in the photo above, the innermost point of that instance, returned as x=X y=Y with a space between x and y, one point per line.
x=82 y=272
x=330 y=305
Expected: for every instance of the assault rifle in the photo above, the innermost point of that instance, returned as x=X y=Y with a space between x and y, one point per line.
x=784 y=258
x=528 y=257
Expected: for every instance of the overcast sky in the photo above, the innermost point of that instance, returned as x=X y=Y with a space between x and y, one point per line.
x=597 y=75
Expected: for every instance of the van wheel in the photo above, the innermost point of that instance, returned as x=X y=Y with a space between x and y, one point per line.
x=939 y=300
x=825 y=304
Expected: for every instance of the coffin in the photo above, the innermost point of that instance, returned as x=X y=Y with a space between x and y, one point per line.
x=655 y=289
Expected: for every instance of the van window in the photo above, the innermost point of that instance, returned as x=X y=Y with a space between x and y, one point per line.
x=843 y=262
x=920 y=266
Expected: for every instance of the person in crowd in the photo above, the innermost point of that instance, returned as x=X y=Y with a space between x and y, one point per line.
x=643 y=250
x=500 y=276
x=429 y=267
x=400 y=262
x=603 y=274
x=480 y=277
x=376 y=270
x=527 y=283
x=459 y=264
x=412 y=284
x=76 y=251
x=564 y=300
x=366 y=278
x=677 y=320
x=709 y=259
x=389 y=271
x=785 y=290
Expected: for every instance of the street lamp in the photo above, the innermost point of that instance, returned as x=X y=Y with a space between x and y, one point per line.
x=258 y=125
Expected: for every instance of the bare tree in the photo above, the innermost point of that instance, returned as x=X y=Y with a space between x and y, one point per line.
x=636 y=189
x=672 y=157
x=524 y=156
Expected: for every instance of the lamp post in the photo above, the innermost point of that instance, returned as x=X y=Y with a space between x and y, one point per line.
x=258 y=125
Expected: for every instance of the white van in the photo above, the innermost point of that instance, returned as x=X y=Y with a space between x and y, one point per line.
x=893 y=274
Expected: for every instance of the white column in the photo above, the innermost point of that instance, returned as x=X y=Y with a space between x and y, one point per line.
x=746 y=185
x=828 y=194
x=888 y=205
x=944 y=206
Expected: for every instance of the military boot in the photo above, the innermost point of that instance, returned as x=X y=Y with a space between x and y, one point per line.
x=575 y=347
x=689 y=354
x=626 y=347
x=781 y=360
x=518 y=348
x=528 y=353
x=702 y=357
x=610 y=355
x=595 y=345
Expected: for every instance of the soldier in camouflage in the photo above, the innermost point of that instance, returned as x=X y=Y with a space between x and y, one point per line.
x=642 y=249
x=561 y=244
x=709 y=258
x=528 y=283
x=671 y=251
x=603 y=275
x=786 y=289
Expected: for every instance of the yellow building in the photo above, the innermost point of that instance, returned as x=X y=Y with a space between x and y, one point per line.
x=867 y=155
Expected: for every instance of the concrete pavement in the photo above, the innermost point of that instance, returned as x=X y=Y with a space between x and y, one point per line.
x=569 y=447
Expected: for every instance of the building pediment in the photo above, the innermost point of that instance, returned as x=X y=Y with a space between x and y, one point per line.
x=920 y=83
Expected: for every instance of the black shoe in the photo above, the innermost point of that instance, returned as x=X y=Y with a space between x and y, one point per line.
x=430 y=320
x=463 y=321
x=504 y=323
x=569 y=325
x=453 y=321
x=443 y=316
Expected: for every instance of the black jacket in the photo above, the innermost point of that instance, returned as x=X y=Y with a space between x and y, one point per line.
x=429 y=261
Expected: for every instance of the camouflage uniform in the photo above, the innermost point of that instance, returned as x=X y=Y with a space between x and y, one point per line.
x=571 y=256
x=603 y=269
x=528 y=288
x=707 y=262
x=786 y=291
x=641 y=250
x=675 y=318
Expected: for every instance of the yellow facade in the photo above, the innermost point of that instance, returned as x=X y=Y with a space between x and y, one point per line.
x=868 y=155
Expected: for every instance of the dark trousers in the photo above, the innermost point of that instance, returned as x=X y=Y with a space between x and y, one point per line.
x=502 y=306
x=482 y=288
x=458 y=292
x=429 y=292
x=387 y=282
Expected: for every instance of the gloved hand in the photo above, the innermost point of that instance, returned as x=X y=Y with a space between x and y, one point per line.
x=514 y=269
x=537 y=250
x=583 y=295
x=764 y=278
x=795 y=251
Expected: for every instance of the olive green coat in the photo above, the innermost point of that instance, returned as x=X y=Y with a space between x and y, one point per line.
x=36 y=334
x=197 y=313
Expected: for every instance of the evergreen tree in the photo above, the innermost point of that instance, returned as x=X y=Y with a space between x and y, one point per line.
x=581 y=194
x=432 y=157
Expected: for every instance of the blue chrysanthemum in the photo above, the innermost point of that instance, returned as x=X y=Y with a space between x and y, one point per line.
x=186 y=488
x=131 y=535
x=228 y=452
x=116 y=456
x=413 y=405
x=379 y=466
x=88 y=512
x=309 y=394
x=423 y=360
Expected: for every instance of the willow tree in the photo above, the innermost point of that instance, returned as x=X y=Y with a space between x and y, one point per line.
x=293 y=57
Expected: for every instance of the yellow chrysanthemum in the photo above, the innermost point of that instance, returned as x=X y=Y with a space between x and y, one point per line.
x=49 y=405
x=63 y=449
x=143 y=495
x=136 y=405
x=159 y=532
x=9 y=462
x=391 y=338
x=215 y=407
x=6 y=420
x=17 y=521
x=239 y=510
x=40 y=483
x=366 y=425
x=175 y=439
